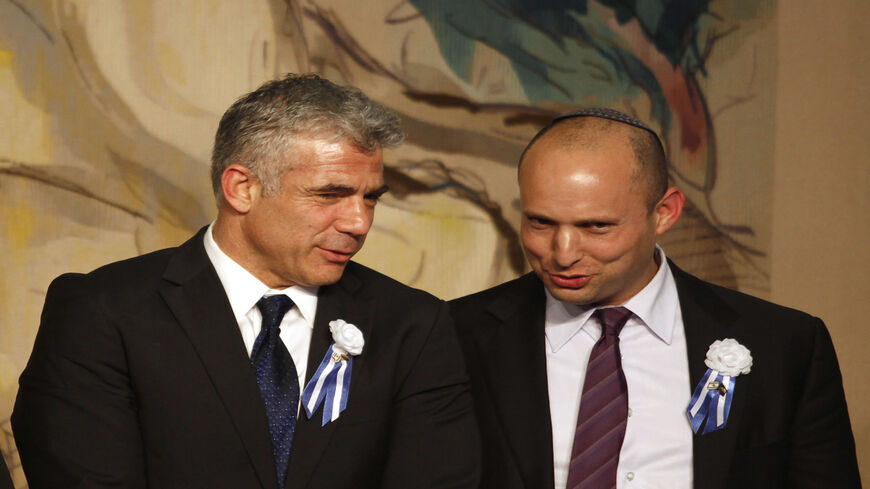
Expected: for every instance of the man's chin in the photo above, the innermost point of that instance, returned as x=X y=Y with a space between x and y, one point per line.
x=328 y=274
x=580 y=297
x=571 y=296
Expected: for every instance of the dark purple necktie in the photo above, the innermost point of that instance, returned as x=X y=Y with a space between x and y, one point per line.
x=277 y=378
x=603 y=409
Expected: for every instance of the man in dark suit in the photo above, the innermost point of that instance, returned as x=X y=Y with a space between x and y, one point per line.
x=197 y=366
x=583 y=371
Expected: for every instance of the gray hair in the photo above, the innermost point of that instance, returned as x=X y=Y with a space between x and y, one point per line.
x=258 y=130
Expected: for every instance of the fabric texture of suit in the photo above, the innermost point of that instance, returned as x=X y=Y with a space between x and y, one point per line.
x=788 y=425
x=139 y=378
x=5 y=478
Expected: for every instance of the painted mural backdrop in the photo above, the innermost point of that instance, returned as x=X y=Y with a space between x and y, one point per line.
x=108 y=110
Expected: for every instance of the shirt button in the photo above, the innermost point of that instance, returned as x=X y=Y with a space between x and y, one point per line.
x=629 y=476
x=629 y=412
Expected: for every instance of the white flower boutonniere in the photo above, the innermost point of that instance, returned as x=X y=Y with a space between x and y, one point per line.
x=347 y=337
x=711 y=400
x=330 y=384
x=729 y=357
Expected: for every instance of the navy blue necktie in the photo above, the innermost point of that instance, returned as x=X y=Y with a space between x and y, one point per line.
x=277 y=379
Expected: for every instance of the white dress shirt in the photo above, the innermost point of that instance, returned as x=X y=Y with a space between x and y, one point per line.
x=244 y=290
x=657 y=451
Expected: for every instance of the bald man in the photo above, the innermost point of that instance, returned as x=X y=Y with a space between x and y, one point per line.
x=608 y=366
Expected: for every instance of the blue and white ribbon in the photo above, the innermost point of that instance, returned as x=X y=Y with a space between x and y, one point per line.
x=331 y=383
x=711 y=400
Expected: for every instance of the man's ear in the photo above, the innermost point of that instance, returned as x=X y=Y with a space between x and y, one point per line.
x=240 y=187
x=668 y=209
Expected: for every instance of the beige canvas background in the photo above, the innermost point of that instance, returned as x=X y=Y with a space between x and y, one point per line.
x=821 y=230
x=127 y=169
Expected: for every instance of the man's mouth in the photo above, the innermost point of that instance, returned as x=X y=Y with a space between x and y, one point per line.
x=569 y=281
x=338 y=255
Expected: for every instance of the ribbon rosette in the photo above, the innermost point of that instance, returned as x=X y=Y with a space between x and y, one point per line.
x=726 y=359
x=331 y=382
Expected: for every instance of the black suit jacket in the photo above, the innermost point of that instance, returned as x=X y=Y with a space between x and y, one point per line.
x=788 y=425
x=5 y=478
x=139 y=378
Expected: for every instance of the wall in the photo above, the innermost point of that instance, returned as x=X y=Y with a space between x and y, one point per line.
x=821 y=229
x=107 y=111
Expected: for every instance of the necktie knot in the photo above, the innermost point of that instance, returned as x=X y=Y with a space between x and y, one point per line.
x=273 y=309
x=612 y=320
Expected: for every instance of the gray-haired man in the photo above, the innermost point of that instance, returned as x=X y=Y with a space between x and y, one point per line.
x=256 y=354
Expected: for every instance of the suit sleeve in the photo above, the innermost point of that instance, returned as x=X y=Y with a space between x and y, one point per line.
x=823 y=448
x=434 y=442
x=5 y=478
x=74 y=419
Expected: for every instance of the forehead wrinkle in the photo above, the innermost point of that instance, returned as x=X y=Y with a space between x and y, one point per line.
x=328 y=150
x=333 y=187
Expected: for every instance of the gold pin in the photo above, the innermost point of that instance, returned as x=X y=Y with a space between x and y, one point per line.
x=717 y=386
x=337 y=357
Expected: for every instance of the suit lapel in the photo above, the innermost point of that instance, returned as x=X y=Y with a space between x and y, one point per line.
x=707 y=319
x=516 y=360
x=196 y=297
x=346 y=300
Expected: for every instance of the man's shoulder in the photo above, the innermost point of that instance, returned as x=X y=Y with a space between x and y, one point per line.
x=519 y=289
x=386 y=287
x=715 y=296
x=127 y=276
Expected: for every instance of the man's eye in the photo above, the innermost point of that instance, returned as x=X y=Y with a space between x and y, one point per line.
x=599 y=226
x=539 y=222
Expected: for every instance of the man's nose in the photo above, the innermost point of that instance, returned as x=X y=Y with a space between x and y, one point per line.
x=355 y=217
x=566 y=247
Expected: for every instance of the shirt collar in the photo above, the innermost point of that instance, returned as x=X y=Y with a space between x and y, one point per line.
x=563 y=321
x=655 y=306
x=244 y=289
